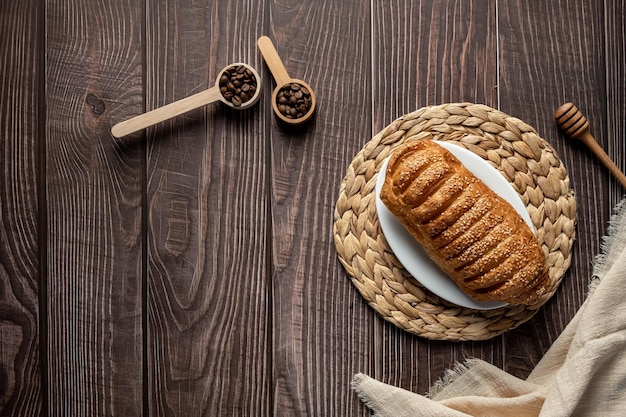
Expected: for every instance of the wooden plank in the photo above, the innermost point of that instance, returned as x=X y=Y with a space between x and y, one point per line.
x=615 y=60
x=20 y=341
x=208 y=298
x=322 y=327
x=432 y=52
x=429 y=53
x=94 y=209
x=543 y=64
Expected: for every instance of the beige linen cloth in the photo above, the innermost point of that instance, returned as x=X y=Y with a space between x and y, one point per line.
x=582 y=374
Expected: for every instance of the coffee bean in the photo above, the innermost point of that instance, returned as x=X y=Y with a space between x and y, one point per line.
x=237 y=84
x=293 y=101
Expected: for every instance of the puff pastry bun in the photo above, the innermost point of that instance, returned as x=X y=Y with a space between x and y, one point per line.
x=475 y=236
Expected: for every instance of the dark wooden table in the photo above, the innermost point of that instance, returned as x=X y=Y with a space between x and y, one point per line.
x=190 y=269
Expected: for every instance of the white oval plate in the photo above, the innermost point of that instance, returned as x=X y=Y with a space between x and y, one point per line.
x=411 y=254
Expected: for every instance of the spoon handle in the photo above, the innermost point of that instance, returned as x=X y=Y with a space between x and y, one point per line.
x=273 y=61
x=166 y=112
x=575 y=124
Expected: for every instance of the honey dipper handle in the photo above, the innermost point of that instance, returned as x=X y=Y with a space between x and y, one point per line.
x=588 y=140
x=273 y=61
x=575 y=124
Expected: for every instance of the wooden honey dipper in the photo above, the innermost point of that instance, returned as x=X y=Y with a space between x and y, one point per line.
x=575 y=124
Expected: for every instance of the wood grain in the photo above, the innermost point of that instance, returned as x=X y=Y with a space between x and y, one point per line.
x=321 y=327
x=615 y=61
x=544 y=64
x=20 y=340
x=429 y=53
x=432 y=52
x=208 y=299
x=94 y=194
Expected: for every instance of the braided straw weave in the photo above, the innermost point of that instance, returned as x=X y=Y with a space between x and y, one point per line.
x=514 y=148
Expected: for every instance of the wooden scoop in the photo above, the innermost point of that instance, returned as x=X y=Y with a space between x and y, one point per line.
x=195 y=101
x=284 y=97
x=575 y=124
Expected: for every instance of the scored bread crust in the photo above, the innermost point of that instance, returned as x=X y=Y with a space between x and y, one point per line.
x=474 y=235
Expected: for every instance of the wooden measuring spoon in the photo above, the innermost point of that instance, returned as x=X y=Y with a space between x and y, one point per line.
x=293 y=100
x=575 y=124
x=233 y=100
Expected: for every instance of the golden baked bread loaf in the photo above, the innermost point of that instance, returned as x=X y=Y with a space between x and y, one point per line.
x=475 y=236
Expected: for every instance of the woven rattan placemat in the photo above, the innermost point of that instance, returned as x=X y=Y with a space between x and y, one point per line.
x=514 y=148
